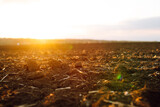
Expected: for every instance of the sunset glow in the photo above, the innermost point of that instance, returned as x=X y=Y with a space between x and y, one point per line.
x=51 y=19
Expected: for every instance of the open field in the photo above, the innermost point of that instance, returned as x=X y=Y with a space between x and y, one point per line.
x=80 y=75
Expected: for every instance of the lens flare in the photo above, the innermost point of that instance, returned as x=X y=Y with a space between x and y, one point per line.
x=119 y=77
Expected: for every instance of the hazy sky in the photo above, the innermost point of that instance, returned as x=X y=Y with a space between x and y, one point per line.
x=85 y=19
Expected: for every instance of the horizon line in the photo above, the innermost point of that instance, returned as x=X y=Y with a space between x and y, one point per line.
x=85 y=39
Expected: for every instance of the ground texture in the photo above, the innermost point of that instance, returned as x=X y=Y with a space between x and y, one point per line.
x=80 y=75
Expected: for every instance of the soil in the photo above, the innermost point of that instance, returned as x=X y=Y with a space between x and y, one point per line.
x=80 y=75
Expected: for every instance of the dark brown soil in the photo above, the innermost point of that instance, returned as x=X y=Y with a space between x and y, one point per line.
x=80 y=75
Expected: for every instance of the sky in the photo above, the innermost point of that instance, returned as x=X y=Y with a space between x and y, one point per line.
x=135 y=20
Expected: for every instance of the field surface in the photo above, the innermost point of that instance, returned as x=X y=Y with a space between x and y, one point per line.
x=80 y=75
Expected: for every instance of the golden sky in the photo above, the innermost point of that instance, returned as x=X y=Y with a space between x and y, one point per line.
x=93 y=19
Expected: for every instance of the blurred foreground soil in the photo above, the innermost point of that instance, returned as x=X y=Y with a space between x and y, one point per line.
x=80 y=75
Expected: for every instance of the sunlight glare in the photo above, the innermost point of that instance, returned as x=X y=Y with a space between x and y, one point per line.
x=46 y=19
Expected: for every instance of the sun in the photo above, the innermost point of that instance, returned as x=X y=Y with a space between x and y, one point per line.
x=57 y=32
